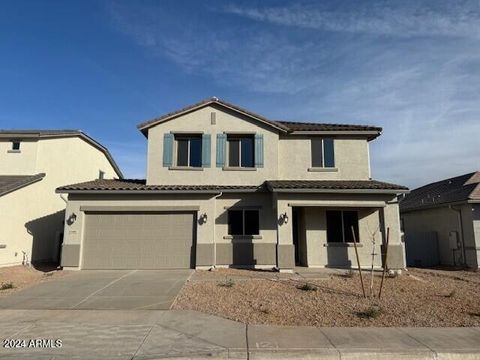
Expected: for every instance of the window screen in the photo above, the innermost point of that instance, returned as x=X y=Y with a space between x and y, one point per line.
x=317 y=153
x=234 y=152
x=235 y=222
x=182 y=152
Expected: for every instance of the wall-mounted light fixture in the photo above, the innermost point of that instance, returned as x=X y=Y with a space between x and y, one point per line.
x=284 y=218
x=204 y=218
x=72 y=218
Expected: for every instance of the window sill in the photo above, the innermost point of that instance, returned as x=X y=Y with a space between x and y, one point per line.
x=239 y=169
x=319 y=169
x=341 y=245
x=187 y=168
x=14 y=151
x=242 y=237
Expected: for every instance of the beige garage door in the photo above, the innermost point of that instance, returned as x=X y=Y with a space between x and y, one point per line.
x=138 y=240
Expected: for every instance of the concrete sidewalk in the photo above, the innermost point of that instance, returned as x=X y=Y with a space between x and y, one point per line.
x=139 y=334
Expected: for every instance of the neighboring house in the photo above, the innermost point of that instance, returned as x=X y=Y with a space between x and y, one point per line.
x=227 y=187
x=33 y=163
x=441 y=222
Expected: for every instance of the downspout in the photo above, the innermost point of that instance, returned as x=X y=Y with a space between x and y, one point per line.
x=214 y=230
x=460 y=221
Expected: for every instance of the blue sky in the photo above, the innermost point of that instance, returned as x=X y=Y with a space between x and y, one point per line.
x=411 y=67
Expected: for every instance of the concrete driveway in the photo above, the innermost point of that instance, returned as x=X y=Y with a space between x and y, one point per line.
x=102 y=290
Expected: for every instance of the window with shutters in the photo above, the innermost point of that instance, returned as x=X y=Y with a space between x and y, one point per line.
x=188 y=150
x=240 y=151
x=323 y=155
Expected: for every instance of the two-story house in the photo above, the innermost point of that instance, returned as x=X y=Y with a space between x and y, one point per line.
x=33 y=163
x=228 y=187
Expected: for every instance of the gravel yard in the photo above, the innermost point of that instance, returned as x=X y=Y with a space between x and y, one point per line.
x=422 y=298
x=14 y=278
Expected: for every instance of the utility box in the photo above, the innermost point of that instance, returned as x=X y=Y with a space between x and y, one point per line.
x=453 y=240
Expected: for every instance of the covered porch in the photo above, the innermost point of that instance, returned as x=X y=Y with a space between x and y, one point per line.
x=315 y=228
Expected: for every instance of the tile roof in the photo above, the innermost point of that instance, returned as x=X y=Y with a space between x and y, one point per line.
x=126 y=185
x=9 y=183
x=47 y=133
x=458 y=189
x=311 y=126
x=285 y=126
x=140 y=185
x=276 y=185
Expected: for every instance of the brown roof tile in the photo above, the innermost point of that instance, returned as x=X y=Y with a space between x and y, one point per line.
x=285 y=126
x=133 y=185
x=9 y=183
x=140 y=185
x=277 y=185
x=458 y=189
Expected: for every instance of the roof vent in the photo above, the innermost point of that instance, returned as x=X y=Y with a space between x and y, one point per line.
x=214 y=98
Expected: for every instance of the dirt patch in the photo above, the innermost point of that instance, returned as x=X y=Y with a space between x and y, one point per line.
x=420 y=298
x=14 y=278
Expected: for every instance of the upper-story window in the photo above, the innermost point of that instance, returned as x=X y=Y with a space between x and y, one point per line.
x=101 y=174
x=16 y=145
x=188 y=150
x=323 y=155
x=241 y=152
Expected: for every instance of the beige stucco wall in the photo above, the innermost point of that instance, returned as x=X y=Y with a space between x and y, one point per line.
x=37 y=211
x=199 y=121
x=285 y=157
x=437 y=223
x=18 y=163
x=351 y=159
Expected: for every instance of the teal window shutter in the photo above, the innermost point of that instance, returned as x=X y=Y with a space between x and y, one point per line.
x=221 y=143
x=328 y=153
x=167 y=149
x=259 y=150
x=206 y=150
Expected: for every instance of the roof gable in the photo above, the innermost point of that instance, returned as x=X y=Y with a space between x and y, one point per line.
x=286 y=127
x=36 y=134
x=143 y=127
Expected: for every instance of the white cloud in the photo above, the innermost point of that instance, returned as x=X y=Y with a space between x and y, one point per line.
x=388 y=18
x=413 y=70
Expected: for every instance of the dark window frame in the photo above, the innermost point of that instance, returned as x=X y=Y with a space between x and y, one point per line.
x=188 y=138
x=323 y=162
x=243 y=211
x=16 y=145
x=237 y=138
x=345 y=237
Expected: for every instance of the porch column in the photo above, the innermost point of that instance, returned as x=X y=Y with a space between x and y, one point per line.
x=285 y=249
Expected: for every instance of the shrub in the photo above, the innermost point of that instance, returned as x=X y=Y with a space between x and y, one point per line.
x=6 y=286
x=307 y=287
x=371 y=312
x=226 y=283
